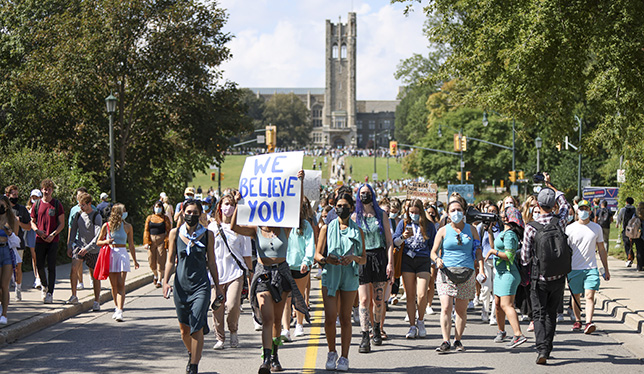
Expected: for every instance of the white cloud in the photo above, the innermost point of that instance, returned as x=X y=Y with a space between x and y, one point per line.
x=281 y=44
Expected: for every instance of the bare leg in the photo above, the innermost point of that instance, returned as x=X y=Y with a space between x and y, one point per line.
x=73 y=275
x=461 y=317
x=500 y=313
x=114 y=282
x=5 y=279
x=266 y=308
x=446 y=316
x=345 y=320
x=364 y=292
x=33 y=262
x=96 y=285
x=590 y=305
x=422 y=280
x=197 y=346
x=378 y=298
x=575 y=308
x=410 y=290
x=185 y=336
x=507 y=304
x=330 y=315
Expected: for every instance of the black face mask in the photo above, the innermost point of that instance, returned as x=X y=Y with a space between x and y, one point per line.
x=14 y=200
x=365 y=198
x=192 y=219
x=343 y=212
x=3 y=210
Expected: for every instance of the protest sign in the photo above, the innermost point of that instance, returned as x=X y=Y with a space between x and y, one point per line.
x=270 y=190
x=423 y=191
x=465 y=190
x=312 y=182
x=603 y=193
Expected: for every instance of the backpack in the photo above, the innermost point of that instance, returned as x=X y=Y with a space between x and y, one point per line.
x=633 y=229
x=92 y=216
x=628 y=214
x=105 y=212
x=53 y=202
x=552 y=254
x=603 y=217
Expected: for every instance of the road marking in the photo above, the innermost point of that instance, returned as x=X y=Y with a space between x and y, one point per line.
x=311 y=356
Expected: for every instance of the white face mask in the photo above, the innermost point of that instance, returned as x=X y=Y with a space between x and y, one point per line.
x=456 y=216
x=583 y=214
x=393 y=215
x=158 y=210
x=508 y=204
x=535 y=215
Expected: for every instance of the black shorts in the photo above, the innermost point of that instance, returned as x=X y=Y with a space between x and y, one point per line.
x=265 y=280
x=416 y=265
x=375 y=270
x=298 y=275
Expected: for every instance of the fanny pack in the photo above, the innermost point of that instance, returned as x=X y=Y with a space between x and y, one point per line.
x=458 y=274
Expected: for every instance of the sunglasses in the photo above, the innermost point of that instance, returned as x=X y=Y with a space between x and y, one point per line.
x=459 y=240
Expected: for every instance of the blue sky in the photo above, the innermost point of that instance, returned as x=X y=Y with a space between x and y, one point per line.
x=280 y=43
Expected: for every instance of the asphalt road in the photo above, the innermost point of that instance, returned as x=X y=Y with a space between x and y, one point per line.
x=148 y=342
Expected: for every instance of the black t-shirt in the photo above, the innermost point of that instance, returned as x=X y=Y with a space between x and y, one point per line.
x=22 y=215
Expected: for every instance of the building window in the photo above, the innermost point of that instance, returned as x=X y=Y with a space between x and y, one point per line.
x=359 y=138
x=359 y=124
x=372 y=125
x=343 y=51
x=387 y=124
x=380 y=125
x=335 y=51
x=340 y=122
x=317 y=123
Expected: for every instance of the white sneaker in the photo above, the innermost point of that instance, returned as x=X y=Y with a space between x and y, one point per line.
x=403 y=297
x=218 y=346
x=49 y=299
x=337 y=321
x=476 y=301
x=560 y=317
x=72 y=300
x=430 y=311
x=43 y=293
x=37 y=283
x=421 y=328
x=493 y=321
x=412 y=333
x=18 y=292
x=484 y=316
x=258 y=327
x=343 y=364
x=286 y=335
x=470 y=305
x=629 y=263
x=97 y=306
x=3 y=320
x=406 y=318
x=331 y=359
x=119 y=316
x=115 y=312
x=81 y=286
x=234 y=340
x=523 y=318
x=299 y=330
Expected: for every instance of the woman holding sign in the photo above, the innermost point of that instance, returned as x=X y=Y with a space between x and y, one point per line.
x=271 y=284
x=379 y=267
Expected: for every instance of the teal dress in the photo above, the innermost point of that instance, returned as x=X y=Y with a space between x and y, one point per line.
x=506 y=274
x=342 y=243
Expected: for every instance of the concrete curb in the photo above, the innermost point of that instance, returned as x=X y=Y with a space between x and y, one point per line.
x=621 y=312
x=41 y=321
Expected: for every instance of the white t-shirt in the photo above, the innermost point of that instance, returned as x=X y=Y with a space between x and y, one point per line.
x=583 y=240
x=240 y=245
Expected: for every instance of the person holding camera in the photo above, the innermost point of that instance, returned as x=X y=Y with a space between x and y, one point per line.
x=459 y=246
x=506 y=274
x=487 y=231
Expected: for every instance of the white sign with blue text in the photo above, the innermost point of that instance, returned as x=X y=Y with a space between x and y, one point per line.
x=270 y=190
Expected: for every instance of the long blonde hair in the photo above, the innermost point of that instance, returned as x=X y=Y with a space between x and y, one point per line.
x=116 y=216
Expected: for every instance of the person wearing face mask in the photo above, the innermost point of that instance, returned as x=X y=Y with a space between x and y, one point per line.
x=72 y=213
x=488 y=232
x=233 y=258
x=188 y=194
x=24 y=223
x=8 y=240
x=456 y=248
x=30 y=236
x=192 y=246
x=417 y=234
x=208 y=211
x=345 y=243
x=155 y=238
x=117 y=233
x=585 y=237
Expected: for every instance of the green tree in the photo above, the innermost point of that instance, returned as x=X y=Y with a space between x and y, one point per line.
x=291 y=117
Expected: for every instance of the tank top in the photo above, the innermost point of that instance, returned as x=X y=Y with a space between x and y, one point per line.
x=272 y=248
x=157 y=228
x=455 y=252
x=119 y=236
x=373 y=238
x=192 y=269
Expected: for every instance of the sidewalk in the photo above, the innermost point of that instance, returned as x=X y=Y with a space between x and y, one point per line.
x=31 y=314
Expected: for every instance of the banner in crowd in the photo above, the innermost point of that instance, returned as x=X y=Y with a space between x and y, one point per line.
x=603 y=193
x=423 y=191
x=465 y=190
x=312 y=183
x=270 y=190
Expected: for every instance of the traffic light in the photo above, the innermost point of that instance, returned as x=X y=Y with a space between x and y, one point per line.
x=521 y=174
x=458 y=175
x=513 y=176
x=468 y=175
x=464 y=143
x=393 y=148
x=213 y=176
x=221 y=176
x=457 y=143
x=271 y=137
x=559 y=146
x=502 y=183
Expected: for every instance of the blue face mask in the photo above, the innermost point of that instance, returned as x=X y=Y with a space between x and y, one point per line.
x=124 y=216
x=583 y=214
x=570 y=218
x=414 y=217
x=456 y=216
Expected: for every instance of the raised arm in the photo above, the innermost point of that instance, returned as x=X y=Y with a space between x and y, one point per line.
x=319 y=250
x=169 y=264
x=242 y=230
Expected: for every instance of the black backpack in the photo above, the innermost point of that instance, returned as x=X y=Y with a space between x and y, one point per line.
x=628 y=214
x=552 y=255
x=105 y=212
x=603 y=217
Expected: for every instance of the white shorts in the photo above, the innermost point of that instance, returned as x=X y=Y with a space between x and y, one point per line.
x=18 y=254
x=119 y=260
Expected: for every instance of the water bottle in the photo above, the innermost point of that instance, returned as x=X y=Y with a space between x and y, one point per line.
x=217 y=303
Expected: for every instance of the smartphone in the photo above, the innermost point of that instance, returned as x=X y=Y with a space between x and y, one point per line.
x=167 y=293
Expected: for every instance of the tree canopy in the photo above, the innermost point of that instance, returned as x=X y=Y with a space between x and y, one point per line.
x=291 y=117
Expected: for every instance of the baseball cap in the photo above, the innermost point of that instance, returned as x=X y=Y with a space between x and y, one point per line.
x=546 y=198
x=162 y=195
x=583 y=203
x=104 y=196
x=189 y=191
x=36 y=192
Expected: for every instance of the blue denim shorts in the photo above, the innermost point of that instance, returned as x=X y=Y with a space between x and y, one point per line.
x=5 y=255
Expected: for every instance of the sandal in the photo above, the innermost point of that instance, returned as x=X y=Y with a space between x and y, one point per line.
x=383 y=335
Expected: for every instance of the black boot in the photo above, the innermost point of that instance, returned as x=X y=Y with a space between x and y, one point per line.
x=189 y=360
x=265 y=367
x=275 y=362
x=193 y=369
x=365 y=344
x=377 y=338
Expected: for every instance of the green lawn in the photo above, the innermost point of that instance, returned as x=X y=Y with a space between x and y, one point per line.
x=363 y=166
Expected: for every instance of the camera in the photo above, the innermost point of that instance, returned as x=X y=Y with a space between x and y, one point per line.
x=472 y=215
x=539 y=177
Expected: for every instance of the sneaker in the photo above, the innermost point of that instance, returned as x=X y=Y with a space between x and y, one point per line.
x=406 y=318
x=81 y=286
x=49 y=299
x=356 y=315
x=516 y=341
x=422 y=332
x=459 y=346
x=115 y=312
x=72 y=300
x=393 y=300
x=531 y=326
x=560 y=317
x=523 y=318
x=485 y=317
x=3 y=320
x=37 y=283
x=234 y=340
x=470 y=305
x=542 y=358
x=343 y=364
x=576 y=326
x=299 y=330
x=258 y=326
x=218 y=346
x=500 y=337
x=96 y=307
x=286 y=335
x=444 y=347
x=337 y=321
x=43 y=293
x=18 y=292
x=403 y=297
x=412 y=333
x=331 y=359
x=430 y=311
x=476 y=301
x=119 y=316
x=493 y=321
x=629 y=263
x=590 y=328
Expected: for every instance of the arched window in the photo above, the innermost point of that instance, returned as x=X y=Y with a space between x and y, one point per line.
x=343 y=51
x=335 y=51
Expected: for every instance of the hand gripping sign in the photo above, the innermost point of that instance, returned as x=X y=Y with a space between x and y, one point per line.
x=270 y=190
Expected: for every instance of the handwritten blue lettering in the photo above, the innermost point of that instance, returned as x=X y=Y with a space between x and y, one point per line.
x=252 y=204
x=260 y=167
x=277 y=218
x=251 y=186
x=264 y=206
x=243 y=188
x=290 y=186
x=260 y=188
x=275 y=164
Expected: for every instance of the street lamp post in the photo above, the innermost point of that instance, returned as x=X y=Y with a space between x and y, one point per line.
x=110 y=102
x=538 y=143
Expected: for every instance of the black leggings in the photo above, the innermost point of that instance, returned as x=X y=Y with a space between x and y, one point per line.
x=47 y=251
x=639 y=245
